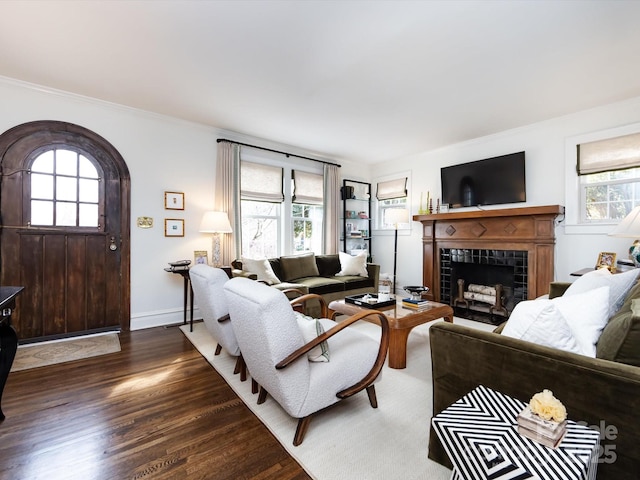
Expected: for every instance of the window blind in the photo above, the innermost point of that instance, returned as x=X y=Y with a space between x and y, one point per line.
x=308 y=188
x=616 y=153
x=262 y=183
x=392 y=189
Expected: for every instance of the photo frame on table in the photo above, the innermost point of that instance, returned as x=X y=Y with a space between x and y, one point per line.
x=201 y=257
x=173 y=227
x=174 y=201
x=607 y=260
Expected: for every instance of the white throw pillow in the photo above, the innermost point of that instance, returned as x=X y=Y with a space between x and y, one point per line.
x=619 y=285
x=262 y=268
x=541 y=322
x=587 y=314
x=310 y=329
x=353 y=265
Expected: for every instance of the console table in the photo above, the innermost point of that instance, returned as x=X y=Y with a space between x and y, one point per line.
x=188 y=291
x=479 y=433
x=8 y=336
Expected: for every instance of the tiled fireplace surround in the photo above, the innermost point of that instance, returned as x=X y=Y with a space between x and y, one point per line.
x=485 y=267
x=513 y=246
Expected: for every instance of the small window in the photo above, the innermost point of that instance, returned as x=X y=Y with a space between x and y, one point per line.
x=609 y=177
x=610 y=195
x=65 y=190
x=392 y=195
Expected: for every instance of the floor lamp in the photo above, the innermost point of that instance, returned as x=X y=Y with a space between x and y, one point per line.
x=395 y=216
x=216 y=223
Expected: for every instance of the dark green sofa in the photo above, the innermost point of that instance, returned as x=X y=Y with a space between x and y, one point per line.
x=603 y=391
x=320 y=278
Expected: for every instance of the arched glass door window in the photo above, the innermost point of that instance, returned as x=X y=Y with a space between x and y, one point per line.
x=65 y=190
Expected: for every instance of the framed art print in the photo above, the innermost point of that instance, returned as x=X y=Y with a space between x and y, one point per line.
x=174 y=201
x=607 y=260
x=173 y=227
x=200 y=257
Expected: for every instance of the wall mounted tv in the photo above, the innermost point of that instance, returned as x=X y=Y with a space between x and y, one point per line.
x=491 y=181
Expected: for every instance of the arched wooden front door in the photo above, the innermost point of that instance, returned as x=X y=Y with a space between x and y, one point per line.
x=64 y=230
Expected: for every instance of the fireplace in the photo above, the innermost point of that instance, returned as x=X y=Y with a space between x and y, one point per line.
x=517 y=242
x=507 y=268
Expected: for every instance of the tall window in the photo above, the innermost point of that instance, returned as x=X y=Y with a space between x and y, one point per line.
x=609 y=177
x=261 y=193
x=278 y=217
x=65 y=190
x=306 y=211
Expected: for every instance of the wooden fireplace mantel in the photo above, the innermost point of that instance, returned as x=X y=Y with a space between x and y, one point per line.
x=526 y=228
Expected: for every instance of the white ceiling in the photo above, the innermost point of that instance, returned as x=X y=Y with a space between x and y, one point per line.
x=356 y=80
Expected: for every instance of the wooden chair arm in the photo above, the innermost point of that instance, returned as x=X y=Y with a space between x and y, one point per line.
x=293 y=290
x=378 y=364
x=304 y=298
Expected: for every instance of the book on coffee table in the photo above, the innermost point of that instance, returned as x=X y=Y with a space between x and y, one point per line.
x=414 y=304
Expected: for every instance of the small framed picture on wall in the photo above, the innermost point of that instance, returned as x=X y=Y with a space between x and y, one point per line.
x=173 y=227
x=174 y=201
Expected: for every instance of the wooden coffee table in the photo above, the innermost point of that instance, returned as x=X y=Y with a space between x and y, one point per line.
x=401 y=322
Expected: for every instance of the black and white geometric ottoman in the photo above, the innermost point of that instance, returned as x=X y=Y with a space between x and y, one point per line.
x=479 y=433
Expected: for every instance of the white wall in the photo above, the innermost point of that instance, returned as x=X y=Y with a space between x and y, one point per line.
x=544 y=144
x=163 y=154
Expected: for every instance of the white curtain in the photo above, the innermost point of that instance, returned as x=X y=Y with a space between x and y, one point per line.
x=331 y=208
x=227 y=197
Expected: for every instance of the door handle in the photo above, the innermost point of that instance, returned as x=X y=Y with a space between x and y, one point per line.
x=112 y=244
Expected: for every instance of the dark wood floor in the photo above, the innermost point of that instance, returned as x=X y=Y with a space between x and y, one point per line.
x=155 y=410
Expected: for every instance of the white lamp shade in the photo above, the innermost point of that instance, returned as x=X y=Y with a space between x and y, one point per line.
x=629 y=226
x=215 y=222
x=396 y=215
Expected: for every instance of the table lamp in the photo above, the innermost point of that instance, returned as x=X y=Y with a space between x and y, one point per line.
x=395 y=216
x=630 y=227
x=216 y=223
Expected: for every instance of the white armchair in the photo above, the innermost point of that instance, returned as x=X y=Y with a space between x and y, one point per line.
x=275 y=352
x=207 y=283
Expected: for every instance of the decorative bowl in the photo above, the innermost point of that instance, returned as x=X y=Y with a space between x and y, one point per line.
x=416 y=291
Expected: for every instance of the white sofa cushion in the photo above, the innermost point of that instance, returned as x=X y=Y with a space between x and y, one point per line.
x=262 y=268
x=573 y=323
x=353 y=265
x=619 y=285
x=539 y=321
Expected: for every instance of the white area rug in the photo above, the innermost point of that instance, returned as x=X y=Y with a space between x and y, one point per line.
x=351 y=439
x=66 y=350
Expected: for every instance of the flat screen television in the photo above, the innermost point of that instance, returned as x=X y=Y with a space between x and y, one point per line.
x=491 y=181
